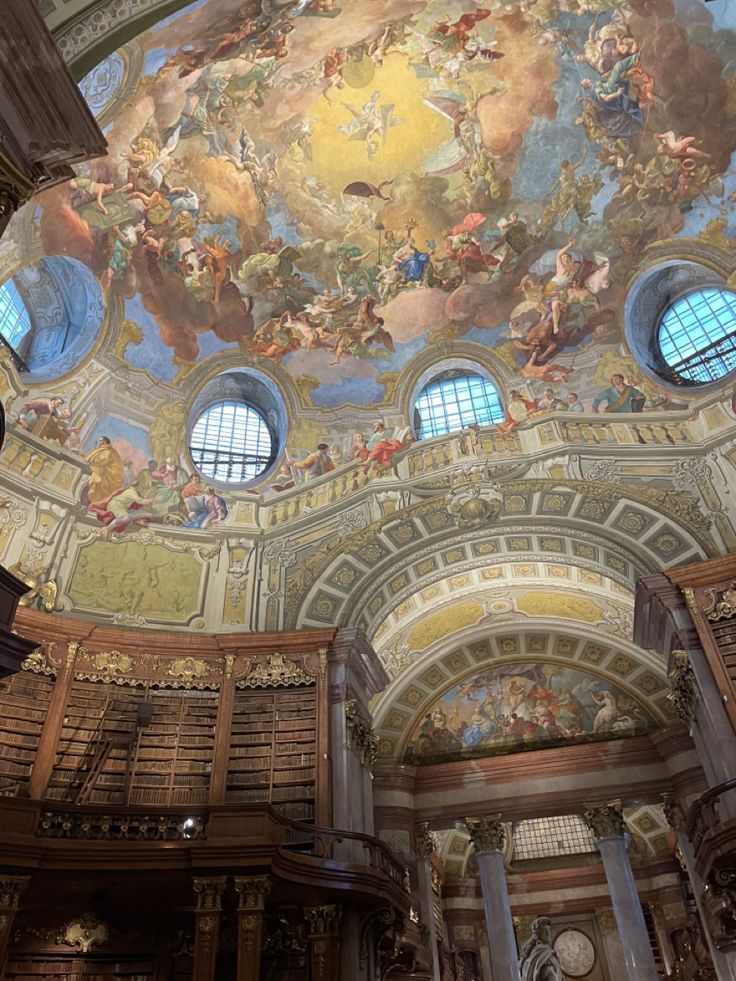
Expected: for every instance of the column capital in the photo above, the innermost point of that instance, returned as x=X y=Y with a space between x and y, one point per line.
x=209 y=893
x=684 y=692
x=424 y=843
x=488 y=834
x=606 y=820
x=252 y=891
x=323 y=921
x=12 y=888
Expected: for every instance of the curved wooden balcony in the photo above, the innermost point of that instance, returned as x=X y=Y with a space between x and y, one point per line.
x=255 y=838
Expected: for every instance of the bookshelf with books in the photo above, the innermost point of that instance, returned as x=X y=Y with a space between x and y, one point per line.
x=24 y=700
x=273 y=746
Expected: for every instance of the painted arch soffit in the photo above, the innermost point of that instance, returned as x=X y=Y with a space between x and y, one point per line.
x=531 y=651
x=623 y=531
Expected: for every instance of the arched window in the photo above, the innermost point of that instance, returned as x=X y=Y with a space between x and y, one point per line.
x=14 y=319
x=697 y=336
x=231 y=443
x=456 y=400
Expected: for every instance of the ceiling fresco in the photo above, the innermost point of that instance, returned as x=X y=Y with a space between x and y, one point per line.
x=333 y=188
x=523 y=706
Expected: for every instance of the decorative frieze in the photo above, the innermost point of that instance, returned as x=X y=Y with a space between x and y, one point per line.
x=112 y=827
x=606 y=820
x=684 y=691
x=361 y=737
x=488 y=834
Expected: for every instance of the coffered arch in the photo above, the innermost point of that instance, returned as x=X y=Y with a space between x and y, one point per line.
x=488 y=644
x=625 y=532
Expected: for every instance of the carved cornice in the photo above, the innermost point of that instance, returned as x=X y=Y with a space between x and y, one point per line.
x=488 y=834
x=606 y=820
x=424 y=842
x=684 y=692
x=361 y=737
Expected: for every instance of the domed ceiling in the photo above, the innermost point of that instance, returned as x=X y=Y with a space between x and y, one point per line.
x=331 y=202
x=327 y=190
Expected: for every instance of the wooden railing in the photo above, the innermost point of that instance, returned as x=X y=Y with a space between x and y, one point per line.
x=146 y=826
x=703 y=816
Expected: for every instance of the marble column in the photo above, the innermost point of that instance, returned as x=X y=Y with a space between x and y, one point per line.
x=252 y=892
x=606 y=821
x=11 y=889
x=424 y=848
x=323 y=928
x=207 y=925
x=488 y=836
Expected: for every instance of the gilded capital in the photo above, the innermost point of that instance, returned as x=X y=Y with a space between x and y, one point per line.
x=684 y=692
x=11 y=889
x=487 y=833
x=606 y=820
x=209 y=893
x=424 y=843
x=323 y=921
x=252 y=891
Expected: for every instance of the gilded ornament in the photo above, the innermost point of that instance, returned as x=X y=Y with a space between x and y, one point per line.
x=605 y=820
x=488 y=834
x=275 y=672
x=252 y=892
x=187 y=668
x=209 y=893
x=722 y=603
x=361 y=737
x=684 y=692
x=86 y=933
x=37 y=664
x=42 y=592
x=424 y=842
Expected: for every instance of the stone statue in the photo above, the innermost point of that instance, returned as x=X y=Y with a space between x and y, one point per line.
x=539 y=960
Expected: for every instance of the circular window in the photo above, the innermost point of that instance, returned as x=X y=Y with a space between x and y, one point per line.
x=697 y=337
x=456 y=400
x=231 y=443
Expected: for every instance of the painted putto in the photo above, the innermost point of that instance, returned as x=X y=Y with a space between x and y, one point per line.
x=523 y=706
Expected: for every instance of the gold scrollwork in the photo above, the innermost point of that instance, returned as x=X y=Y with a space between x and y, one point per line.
x=275 y=672
x=722 y=603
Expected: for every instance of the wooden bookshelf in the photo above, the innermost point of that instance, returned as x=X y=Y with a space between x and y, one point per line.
x=273 y=748
x=24 y=701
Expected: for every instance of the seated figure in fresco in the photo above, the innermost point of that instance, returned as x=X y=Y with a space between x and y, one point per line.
x=382 y=445
x=620 y=397
x=108 y=471
x=205 y=509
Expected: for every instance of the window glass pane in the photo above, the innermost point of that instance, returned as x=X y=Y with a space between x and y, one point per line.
x=14 y=320
x=456 y=402
x=231 y=443
x=697 y=336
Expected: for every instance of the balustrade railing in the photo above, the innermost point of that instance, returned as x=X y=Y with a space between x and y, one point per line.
x=704 y=816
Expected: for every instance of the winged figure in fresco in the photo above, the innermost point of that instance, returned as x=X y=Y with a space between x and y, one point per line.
x=370 y=123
